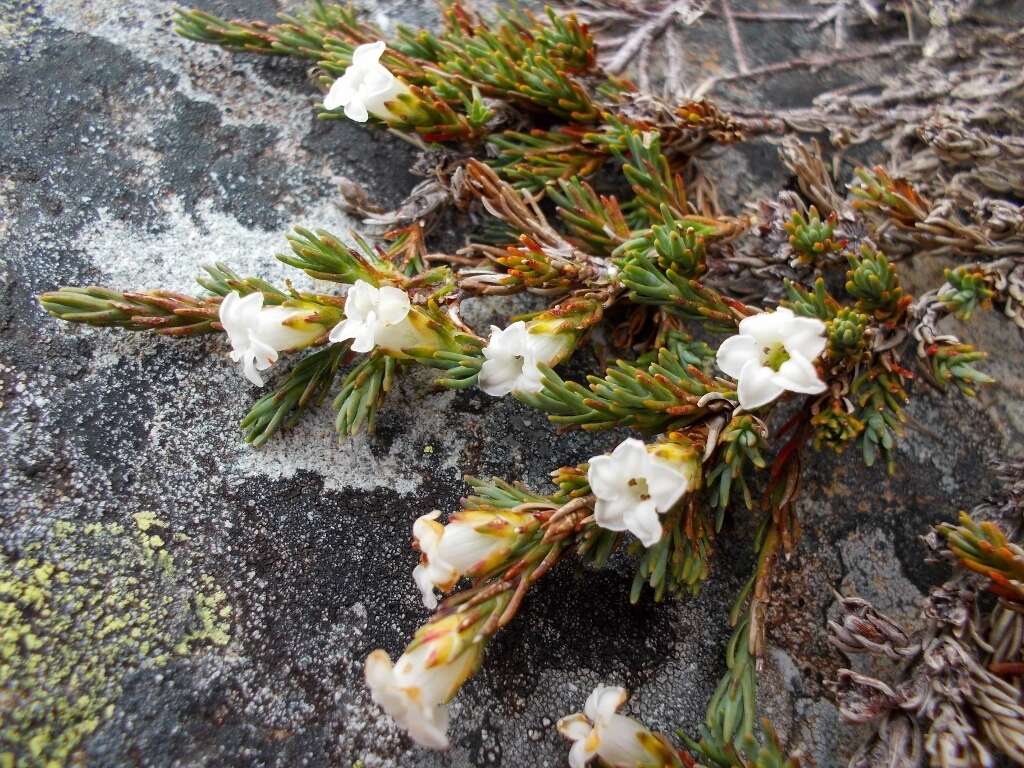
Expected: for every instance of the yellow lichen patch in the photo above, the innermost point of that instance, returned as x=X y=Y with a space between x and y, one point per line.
x=214 y=615
x=79 y=610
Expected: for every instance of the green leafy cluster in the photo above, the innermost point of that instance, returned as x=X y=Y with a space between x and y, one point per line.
x=953 y=363
x=650 y=394
x=567 y=42
x=656 y=185
x=435 y=119
x=303 y=35
x=880 y=397
x=811 y=236
x=461 y=369
x=529 y=76
x=659 y=191
x=539 y=159
x=873 y=282
x=678 y=561
x=323 y=256
x=678 y=244
x=731 y=711
x=895 y=200
x=683 y=297
x=595 y=544
x=811 y=303
x=595 y=222
x=163 y=312
x=531 y=266
x=836 y=426
x=496 y=493
x=847 y=334
x=742 y=446
x=969 y=290
x=522 y=59
x=362 y=392
x=749 y=751
x=518 y=58
x=219 y=280
x=984 y=548
x=308 y=383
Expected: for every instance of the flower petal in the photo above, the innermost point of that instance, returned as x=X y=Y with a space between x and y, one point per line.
x=429 y=730
x=360 y=300
x=610 y=513
x=623 y=743
x=581 y=753
x=368 y=53
x=798 y=375
x=806 y=338
x=734 y=352
x=355 y=110
x=363 y=338
x=631 y=458
x=575 y=726
x=392 y=305
x=450 y=676
x=665 y=483
x=397 y=337
x=530 y=378
x=767 y=327
x=346 y=329
x=494 y=344
x=234 y=324
x=510 y=342
x=427 y=532
x=339 y=95
x=606 y=482
x=379 y=670
x=498 y=375
x=249 y=370
x=421 y=575
x=226 y=310
x=250 y=305
x=604 y=701
x=644 y=523
x=757 y=386
x=376 y=85
x=282 y=328
x=264 y=354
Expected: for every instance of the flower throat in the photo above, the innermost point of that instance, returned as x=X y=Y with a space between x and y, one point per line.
x=774 y=356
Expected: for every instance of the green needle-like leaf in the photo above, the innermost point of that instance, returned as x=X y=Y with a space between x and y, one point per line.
x=307 y=384
x=362 y=393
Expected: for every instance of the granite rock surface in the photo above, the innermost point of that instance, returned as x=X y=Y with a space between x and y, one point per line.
x=188 y=601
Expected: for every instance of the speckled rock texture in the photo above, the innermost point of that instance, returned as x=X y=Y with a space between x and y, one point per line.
x=175 y=598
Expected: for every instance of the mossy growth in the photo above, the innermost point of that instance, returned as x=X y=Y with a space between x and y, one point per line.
x=79 y=609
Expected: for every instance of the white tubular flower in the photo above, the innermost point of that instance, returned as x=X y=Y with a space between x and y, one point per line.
x=512 y=356
x=366 y=87
x=416 y=688
x=635 y=483
x=257 y=334
x=432 y=571
x=773 y=353
x=374 y=317
x=620 y=741
x=473 y=542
